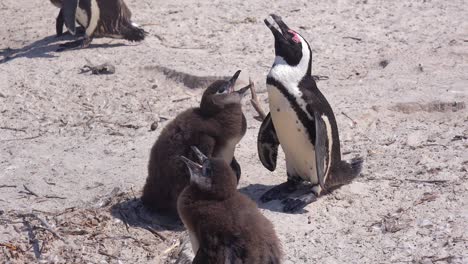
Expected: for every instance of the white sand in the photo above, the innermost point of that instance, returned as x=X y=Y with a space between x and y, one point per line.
x=83 y=148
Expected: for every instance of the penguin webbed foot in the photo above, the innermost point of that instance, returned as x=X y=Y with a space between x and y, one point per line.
x=80 y=43
x=292 y=205
x=279 y=192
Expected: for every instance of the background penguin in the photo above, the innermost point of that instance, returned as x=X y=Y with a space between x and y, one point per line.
x=302 y=121
x=215 y=127
x=99 y=18
x=224 y=225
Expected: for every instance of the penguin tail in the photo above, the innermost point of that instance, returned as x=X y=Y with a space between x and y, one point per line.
x=354 y=166
x=344 y=173
x=134 y=33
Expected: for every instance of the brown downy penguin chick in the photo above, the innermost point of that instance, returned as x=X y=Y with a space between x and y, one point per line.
x=215 y=127
x=224 y=225
x=99 y=18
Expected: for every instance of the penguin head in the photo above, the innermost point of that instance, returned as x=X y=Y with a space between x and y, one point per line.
x=212 y=176
x=293 y=54
x=221 y=94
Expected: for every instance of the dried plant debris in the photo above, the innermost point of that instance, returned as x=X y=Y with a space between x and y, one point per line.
x=83 y=235
x=154 y=126
x=105 y=68
x=435 y=106
x=392 y=225
x=383 y=63
x=427 y=197
x=255 y=103
x=320 y=77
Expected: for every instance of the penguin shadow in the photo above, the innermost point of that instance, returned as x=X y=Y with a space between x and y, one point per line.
x=45 y=48
x=255 y=191
x=135 y=214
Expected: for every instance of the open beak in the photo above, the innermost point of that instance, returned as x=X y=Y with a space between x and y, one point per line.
x=194 y=168
x=243 y=90
x=201 y=157
x=281 y=25
x=231 y=83
x=229 y=86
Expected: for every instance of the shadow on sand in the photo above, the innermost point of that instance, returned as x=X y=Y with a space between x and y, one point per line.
x=255 y=191
x=135 y=214
x=44 y=48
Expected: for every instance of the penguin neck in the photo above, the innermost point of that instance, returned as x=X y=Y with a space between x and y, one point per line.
x=227 y=116
x=231 y=121
x=217 y=192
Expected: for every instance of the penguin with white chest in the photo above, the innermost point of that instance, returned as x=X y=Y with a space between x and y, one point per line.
x=99 y=18
x=302 y=121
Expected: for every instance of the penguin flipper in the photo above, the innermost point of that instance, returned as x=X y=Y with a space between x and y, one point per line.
x=59 y=23
x=322 y=157
x=267 y=143
x=69 y=13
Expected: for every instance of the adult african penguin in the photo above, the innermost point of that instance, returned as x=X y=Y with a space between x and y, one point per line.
x=302 y=121
x=224 y=225
x=99 y=18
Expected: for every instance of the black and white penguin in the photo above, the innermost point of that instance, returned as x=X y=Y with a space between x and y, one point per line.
x=224 y=225
x=99 y=18
x=302 y=121
x=216 y=127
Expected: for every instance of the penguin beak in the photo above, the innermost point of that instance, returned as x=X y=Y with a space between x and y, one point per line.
x=198 y=174
x=201 y=157
x=232 y=82
x=282 y=26
x=243 y=90
x=194 y=168
x=286 y=33
x=229 y=86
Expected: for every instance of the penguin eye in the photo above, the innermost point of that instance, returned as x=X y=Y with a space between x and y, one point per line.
x=221 y=90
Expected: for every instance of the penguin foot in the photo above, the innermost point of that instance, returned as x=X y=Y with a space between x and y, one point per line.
x=81 y=43
x=292 y=205
x=279 y=192
x=316 y=190
x=70 y=45
x=80 y=31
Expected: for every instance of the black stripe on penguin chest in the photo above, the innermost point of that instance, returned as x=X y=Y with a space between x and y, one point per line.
x=301 y=114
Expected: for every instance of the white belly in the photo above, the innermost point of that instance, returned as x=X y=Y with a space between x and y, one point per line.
x=94 y=19
x=81 y=17
x=293 y=137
